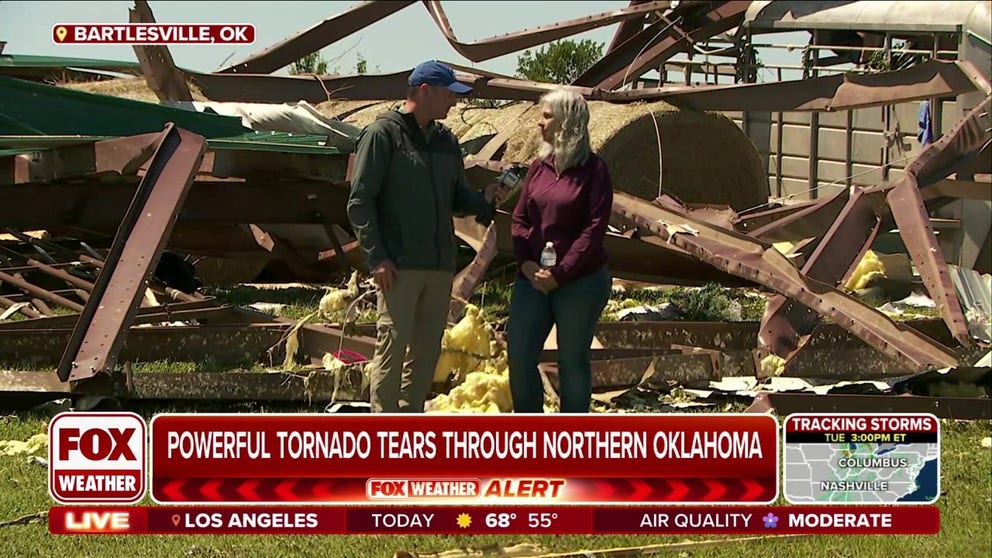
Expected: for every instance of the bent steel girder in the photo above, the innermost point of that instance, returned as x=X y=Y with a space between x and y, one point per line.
x=315 y=38
x=485 y=49
x=362 y=15
x=851 y=234
x=787 y=323
x=662 y=40
x=937 y=79
x=758 y=261
x=627 y=29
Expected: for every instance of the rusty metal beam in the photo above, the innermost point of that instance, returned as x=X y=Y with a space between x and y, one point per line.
x=129 y=156
x=144 y=229
x=172 y=293
x=627 y=29
x=31 y=382
x=205 y=311
x=816 y=94
x=734 y=336
x=266 y=165
x=485 y=49
x=6 y=303
x=808 y=220
x=665 y=40
x=917 y=234
x=751 y=221
x=362 y=15
x=316 y=340
x=315 y=38
x=468 y=278
x=629 y=372
x=122 y=156
x=787 y=324
x=828 y=93
x=957 y=408
x=312 y=387
x=27 y=297
x=963 y=189
x=96 y=207
x=622 y=55
x=747 y=257
x=161 y=74
x=239 y=344
x=551 y=355
x=264 y=88
x=62 y=274
x=637 y=260
x=966 y=142
x=40 y=293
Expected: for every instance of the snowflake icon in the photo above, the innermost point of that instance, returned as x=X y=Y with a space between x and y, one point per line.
x=771 y=521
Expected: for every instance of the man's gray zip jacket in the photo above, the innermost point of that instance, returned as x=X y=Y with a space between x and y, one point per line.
x=405 y=188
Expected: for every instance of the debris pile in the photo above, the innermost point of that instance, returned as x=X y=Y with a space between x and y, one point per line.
x=261 y=195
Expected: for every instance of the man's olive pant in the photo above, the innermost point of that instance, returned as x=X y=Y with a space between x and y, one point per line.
x=413 y=313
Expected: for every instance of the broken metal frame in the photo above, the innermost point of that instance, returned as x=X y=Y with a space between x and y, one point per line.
x=760 y=262
x=933 y=78
x=77 y=285
x=954 y=408
x=161 y=74
x=103 y=323
x=661 y=40
x=787 y=323
x=287 y=188
x=362 y=15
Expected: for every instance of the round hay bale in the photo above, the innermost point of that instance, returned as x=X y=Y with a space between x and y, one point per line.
x=706 y=158
x=343 y=109
x=469 y=122
x=362 y=117
x=227 y=271
x=129 y=88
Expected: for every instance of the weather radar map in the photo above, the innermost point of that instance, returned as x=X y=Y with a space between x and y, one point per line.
x=862 y=459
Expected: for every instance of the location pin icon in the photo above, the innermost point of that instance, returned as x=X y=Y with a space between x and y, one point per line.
x=175 y=520
x=61 y=32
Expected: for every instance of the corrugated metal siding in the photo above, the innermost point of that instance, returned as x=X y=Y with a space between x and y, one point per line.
x=840 y=154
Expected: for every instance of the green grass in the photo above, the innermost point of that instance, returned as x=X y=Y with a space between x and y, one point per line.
x=158 y=366
x=493 y=298
x=203 y=366
x=299 y=302
x=966 y=507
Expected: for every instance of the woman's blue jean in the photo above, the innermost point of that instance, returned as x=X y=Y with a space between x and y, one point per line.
x=574 y=308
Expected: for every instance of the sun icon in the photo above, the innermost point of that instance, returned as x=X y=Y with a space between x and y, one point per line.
x=464 y=520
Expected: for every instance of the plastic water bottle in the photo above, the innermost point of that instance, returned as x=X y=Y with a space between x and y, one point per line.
x=549 y=258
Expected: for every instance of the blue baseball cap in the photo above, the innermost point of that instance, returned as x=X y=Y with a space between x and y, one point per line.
x=433 y=72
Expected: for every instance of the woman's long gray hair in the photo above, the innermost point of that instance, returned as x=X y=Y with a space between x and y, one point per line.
x=571 y=145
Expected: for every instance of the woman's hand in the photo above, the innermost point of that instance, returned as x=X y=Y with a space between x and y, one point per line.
x=530 y=270
x=545 y=281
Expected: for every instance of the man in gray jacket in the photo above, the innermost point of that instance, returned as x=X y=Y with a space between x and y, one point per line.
x=407 y=184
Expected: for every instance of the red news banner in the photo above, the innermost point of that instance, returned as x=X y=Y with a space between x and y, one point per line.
x=308 y=520
x=474 y=460
x=153 y=33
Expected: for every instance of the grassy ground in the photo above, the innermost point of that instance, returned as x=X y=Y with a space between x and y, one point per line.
x=711 y=303
x=966 y=508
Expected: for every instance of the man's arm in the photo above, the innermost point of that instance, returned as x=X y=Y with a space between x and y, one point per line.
x=371 y=167
x=466 y=201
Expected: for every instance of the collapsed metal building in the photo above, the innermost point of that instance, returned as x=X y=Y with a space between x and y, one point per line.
x=117 y=183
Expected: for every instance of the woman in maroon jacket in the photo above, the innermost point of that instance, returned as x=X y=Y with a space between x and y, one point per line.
x=566 y=201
